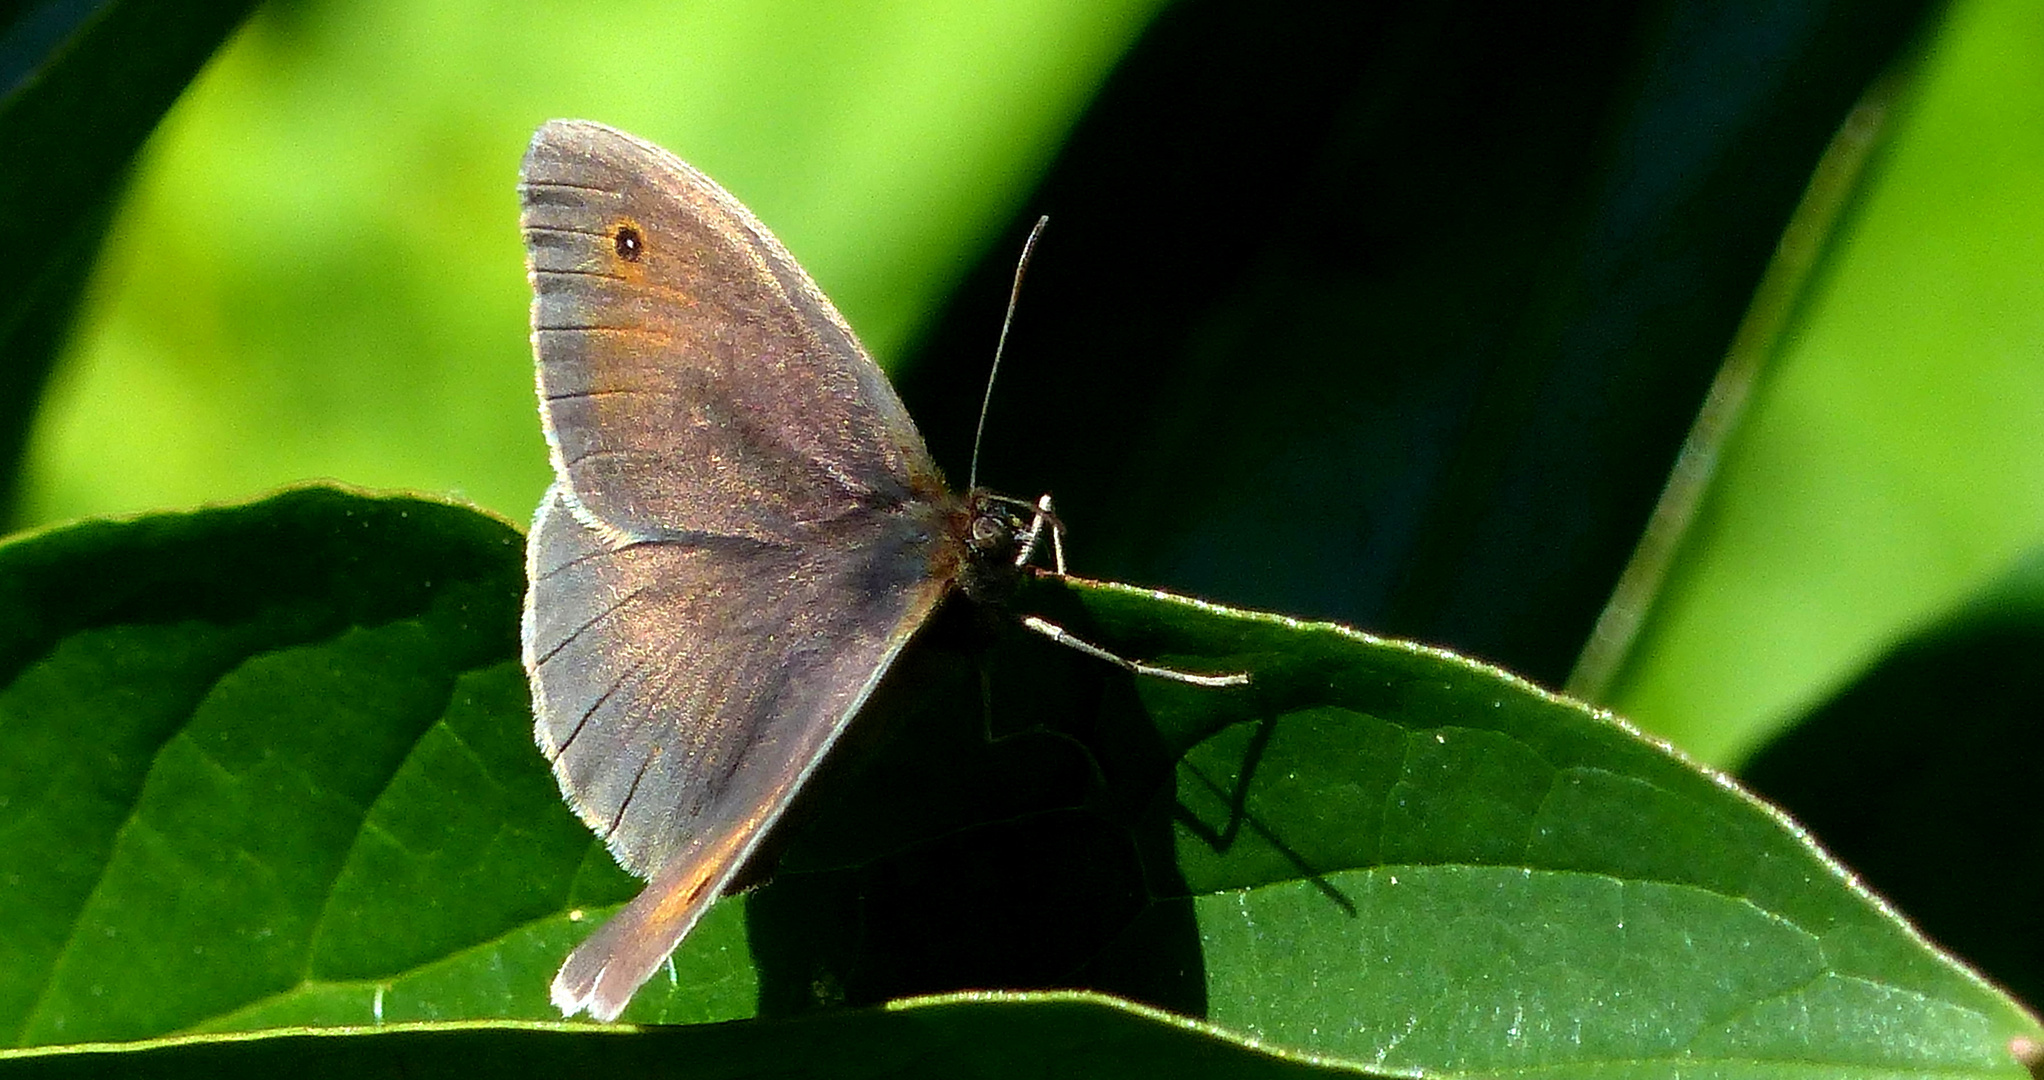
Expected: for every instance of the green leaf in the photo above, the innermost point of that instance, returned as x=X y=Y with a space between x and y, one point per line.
x=81 y=86
x=1921 y=774
x=1437 y=866
x=270 y=766
x=985 y=1035
x=207 y=717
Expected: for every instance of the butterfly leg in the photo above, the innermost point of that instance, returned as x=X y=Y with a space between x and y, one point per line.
x=1058 y=634
x=1025 y=548
x=1057 y=533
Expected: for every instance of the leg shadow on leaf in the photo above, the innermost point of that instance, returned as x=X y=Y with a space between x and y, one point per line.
x=1233 y=792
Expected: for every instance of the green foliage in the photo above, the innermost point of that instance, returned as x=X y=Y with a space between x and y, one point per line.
x=198 y=711
x=81 y=85
x=268 y=768
x=1892 y=463
x=1388 y=313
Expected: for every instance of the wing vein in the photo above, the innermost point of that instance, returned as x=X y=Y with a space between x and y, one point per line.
x=617 y=820
x=570 y=186
x=582 y=395
x=578 y=272
x=616 y=685
x=580 y=630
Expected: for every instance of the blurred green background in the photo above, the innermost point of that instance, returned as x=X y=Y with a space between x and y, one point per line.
x=317 y=274
x=1893 y=459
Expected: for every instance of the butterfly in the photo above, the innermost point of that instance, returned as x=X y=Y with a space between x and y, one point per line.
x=743 y=531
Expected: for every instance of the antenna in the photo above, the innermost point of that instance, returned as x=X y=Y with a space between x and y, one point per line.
x=1014 y=296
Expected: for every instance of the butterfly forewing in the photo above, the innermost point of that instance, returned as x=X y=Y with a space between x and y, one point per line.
x=691 y=376
x=743 y=530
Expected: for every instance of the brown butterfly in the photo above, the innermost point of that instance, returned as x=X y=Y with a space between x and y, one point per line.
x=744 y=529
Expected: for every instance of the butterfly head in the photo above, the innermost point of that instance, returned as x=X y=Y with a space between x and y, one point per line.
x=1002 y=534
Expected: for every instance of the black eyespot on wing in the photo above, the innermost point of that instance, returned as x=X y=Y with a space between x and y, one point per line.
x=630 y=244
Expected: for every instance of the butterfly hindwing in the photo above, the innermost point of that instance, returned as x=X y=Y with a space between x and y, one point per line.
x=682 y=684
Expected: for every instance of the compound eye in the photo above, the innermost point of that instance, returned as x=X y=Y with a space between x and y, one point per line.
x=990 y=532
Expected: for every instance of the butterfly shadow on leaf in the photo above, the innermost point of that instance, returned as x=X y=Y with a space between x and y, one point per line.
x=990 y=822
